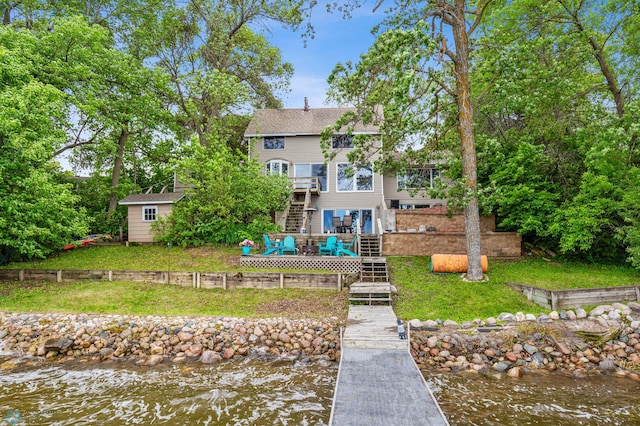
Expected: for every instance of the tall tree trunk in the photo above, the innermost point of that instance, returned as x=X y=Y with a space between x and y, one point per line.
x=117 y=169
x=468 y=147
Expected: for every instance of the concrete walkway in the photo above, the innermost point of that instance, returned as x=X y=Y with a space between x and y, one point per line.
x=378 y=381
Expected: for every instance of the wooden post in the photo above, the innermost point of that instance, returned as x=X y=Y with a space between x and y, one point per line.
x=59 y=276
x=638 y=293
x=110 y=275
x=224 y=281
x=339 y=281
x=198 y=279
x=554 y=301
x=21 y=275
x=281 y=280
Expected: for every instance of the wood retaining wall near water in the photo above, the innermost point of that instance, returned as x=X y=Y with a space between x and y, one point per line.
x=559 y=299
x=223 y=280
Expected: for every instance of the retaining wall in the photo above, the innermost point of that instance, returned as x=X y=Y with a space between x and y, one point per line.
x=493 y=244
x=209 y=280
x=573 y=298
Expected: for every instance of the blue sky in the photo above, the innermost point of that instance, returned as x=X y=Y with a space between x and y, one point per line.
x=336 y=40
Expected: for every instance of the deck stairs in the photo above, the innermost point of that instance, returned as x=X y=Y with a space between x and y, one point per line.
x=294 y=217
x=374 y=287
x=370 y=246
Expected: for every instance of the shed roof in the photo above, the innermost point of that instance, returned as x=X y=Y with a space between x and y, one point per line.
x=268 y=122
x=161 y=198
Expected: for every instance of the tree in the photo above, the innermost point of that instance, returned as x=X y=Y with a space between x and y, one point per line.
x=230 y=198
x=39 y=215
x=562 y=81
x=424 y=89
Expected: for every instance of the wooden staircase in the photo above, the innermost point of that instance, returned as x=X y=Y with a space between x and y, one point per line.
x=370 y=246
x=294 y=217
x=374 y=287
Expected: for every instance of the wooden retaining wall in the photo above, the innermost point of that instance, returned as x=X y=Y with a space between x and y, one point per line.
x=573 y=298
x=222 y=280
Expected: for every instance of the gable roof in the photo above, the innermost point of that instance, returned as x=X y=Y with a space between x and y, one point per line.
x=158 y=198
x=282 y=122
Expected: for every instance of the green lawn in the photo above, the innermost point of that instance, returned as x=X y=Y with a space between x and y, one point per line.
x=422 y=294
x=141 y=258
x=161 y=299
x=425 y=295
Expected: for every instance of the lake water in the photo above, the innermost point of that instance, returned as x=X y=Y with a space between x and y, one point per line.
x=251 y=392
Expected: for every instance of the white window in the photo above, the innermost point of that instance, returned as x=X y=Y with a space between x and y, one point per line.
x=341 y=141
x=149 y=213
x=351 y=178
x=416 y=178
x=277 y=167
x=273 y=142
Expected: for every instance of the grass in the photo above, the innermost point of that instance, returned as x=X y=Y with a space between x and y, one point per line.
x=158 y=299
x=425 y=295
x=422 y=294
x=147 y=258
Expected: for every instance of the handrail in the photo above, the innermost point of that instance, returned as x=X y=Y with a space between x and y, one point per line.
x=306 y=182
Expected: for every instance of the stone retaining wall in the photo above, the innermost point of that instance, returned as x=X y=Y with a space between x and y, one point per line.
x=494 y=244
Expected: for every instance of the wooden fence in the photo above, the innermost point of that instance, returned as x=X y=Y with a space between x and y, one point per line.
x=223 y=280
x=559 y=299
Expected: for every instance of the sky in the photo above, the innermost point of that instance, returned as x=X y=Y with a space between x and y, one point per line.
x=336 y=40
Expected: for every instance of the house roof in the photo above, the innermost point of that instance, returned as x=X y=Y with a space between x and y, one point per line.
x=279 y=122
x=161 y=198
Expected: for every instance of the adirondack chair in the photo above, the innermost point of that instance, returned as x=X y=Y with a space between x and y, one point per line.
x=346 y=249
x=330 y=247
x=271 y=247
x=289 y=245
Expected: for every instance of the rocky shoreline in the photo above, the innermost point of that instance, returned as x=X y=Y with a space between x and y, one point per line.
x=151 y=340
x=607 y=339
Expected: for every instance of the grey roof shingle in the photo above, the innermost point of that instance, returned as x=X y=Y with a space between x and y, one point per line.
x=266 y=122
x=161 y=198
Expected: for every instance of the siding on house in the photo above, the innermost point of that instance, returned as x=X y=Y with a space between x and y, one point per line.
x=139 y=230
x=301 y=129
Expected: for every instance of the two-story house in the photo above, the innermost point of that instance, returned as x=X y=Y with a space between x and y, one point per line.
x=287 y=141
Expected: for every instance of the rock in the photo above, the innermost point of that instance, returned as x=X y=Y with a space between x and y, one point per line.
x=571 y=315
x=415 y=323
x=258 y=331
x=512 y=357
x=520 y=317
x=507 y=317
x=450 y=323
x=543 y=318
x=432 y=341
x=466 y=325
x=530 y=317
x=515 y=372
x=517 y=348
x=562 y=347
x=228 y=353
x=537 y=359
x=502 y=366
x=613 y=315
x=284 y=337
x=185 y=336
x=59 y=345
x=530 y=349
x=106 y=352
x=153 y=360
x=554 y=315
x=210 y=357
x=491 y=321
x=581 y=313
x=430 y=324
x=599 y=310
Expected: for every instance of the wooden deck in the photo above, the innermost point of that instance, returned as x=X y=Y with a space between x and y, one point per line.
x=378 y=381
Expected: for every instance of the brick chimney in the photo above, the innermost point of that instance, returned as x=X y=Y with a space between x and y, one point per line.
x=306 y=104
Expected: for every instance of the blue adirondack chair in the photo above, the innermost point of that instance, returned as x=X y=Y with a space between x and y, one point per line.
x=347 y=248
x=330 y=247
x=270 y=247
x=289 y=245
